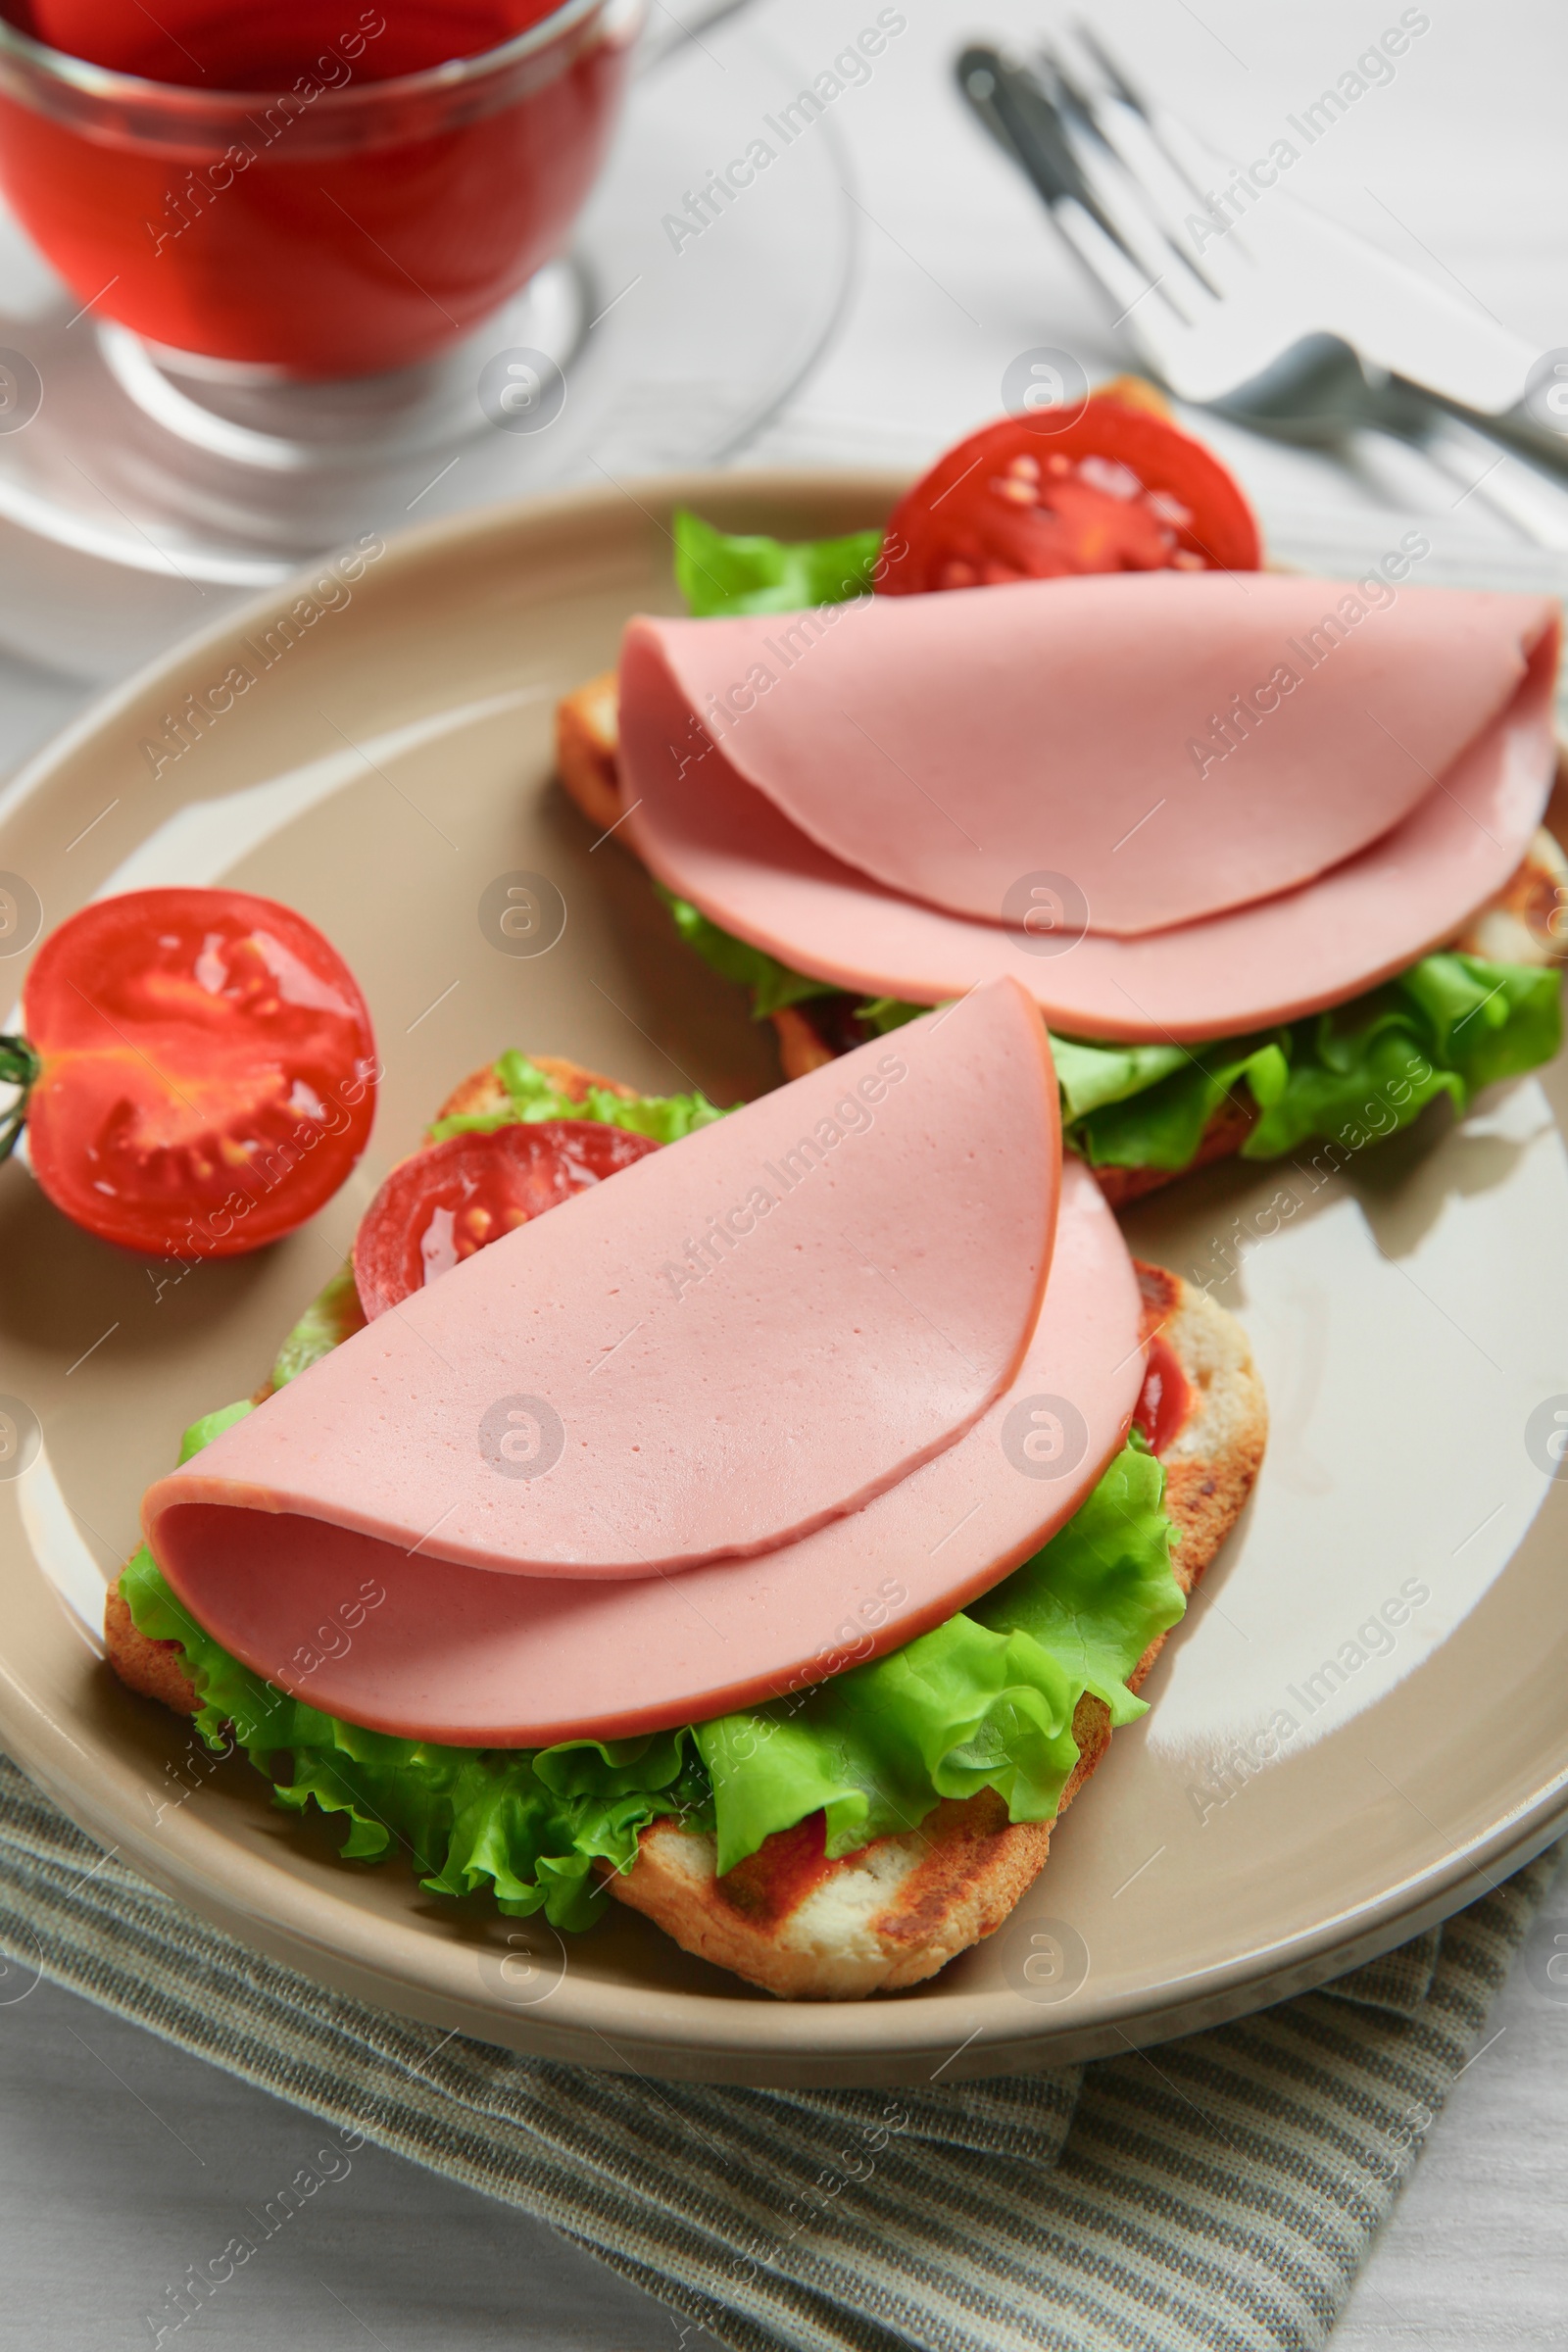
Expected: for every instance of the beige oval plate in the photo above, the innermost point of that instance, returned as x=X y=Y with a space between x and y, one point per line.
x=1361 y=1721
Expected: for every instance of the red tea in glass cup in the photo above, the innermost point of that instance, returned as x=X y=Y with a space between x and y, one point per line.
x=314 y=186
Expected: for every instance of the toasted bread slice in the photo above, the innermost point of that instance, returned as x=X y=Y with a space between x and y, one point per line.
x=155 y=1669
x=810 y=1929
x=894 y=1913
x=1135 y=392
x=1226 y=1132
x=587 y=741
x=802 y=1047
x=1527 y=923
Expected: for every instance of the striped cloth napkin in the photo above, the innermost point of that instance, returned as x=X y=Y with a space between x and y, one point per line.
x=1217 y=2191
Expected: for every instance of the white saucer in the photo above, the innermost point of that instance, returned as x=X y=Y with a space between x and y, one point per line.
x=149 y=492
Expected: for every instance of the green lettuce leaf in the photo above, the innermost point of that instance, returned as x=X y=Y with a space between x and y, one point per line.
x=332 y=1317
x=773 y=984
x=1489 y=1020
x=718 y=572
x=211 y=1425
x=985 y=1701
x=1450 y=1025
x=1159 y=1123
x=1090 y=1076
x=532 y=1095
x=886 y=1013
x=529 y=1826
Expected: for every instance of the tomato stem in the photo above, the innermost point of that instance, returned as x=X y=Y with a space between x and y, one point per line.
x=18 y=1066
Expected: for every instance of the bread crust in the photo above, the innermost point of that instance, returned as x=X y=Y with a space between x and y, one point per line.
x=1224 y=1135
x=894 y=1913
x=875 y=1922
x=587 y=739
x=1212 y=1461
x=801 y=1048
x=1526 y=922
x=153 y=1668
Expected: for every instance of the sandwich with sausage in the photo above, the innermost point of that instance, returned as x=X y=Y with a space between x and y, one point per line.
x=760 y=1520
x=1266 y=852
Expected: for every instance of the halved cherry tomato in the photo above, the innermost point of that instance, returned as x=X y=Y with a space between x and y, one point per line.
x=462 y=1195
x=203 y=1070
x=1119 y=489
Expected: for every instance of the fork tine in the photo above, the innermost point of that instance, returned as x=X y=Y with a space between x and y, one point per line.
x=1127 y=284
x=1034 y=134
x=1124 y=198
x=1100 y=117
x=1165 y=191
x=1111 y=72
x=1161 y=144
x=1130 y=97
x=1069 y=98
x=1234 y=259
x=1033 y=107
x=1018 y=115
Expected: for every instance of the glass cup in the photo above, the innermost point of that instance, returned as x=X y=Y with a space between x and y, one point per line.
x=341 y=227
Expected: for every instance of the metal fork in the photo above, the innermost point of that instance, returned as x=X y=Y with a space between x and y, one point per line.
x=1248 y=302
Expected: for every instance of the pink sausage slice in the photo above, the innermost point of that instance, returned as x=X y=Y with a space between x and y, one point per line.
x=1176 y=744
x=733 y=1342
x=457 y=1655
x=711 y=839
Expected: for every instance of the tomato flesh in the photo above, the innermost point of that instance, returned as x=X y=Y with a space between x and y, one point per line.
x=1164 y=1400
x=208 y=1071
x=460 y=1195
x=1119 y=489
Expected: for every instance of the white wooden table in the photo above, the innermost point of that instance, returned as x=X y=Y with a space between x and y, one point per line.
x=121 y=2162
